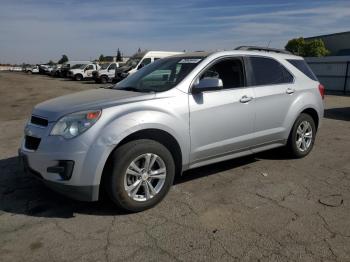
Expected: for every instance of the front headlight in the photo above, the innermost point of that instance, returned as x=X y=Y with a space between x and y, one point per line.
x=75 y=124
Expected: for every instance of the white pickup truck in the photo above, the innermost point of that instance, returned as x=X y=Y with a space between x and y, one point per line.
x=32 y=70
x=82 y=72
x=106 y=73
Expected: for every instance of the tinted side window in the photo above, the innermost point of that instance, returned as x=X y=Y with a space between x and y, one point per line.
x=267 y=71
x=303 y=67
x=112 y=67
x=230 y=71
x=146 y=61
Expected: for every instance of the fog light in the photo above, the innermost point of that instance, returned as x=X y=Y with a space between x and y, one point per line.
x=64 y=169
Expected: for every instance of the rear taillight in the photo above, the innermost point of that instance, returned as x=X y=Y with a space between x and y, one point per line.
x=321 y=89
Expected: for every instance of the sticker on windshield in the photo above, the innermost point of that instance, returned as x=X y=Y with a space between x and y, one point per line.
x=190 y=61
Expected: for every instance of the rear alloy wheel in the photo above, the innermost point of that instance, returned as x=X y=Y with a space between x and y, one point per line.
x=140 y=175
x=302 y=137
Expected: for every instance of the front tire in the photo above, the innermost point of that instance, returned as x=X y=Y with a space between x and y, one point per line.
x=141 y=174
x=302 y=136
x=78 y=77
x=104 y=80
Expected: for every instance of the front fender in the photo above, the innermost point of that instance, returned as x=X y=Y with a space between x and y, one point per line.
x=117 y=127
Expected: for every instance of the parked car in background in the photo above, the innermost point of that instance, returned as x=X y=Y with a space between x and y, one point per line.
x=106 y=73
x=32 y=70
x=45 y=69
x=138 y=61
x=68 y=65
x=82 y=72
x=56 y=70
x=16 y=68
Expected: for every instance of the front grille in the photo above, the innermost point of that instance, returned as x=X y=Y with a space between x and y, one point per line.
x=32 y=143
x=39 y=121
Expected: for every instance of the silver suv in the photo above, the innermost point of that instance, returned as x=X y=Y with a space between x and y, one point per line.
x=175 y=114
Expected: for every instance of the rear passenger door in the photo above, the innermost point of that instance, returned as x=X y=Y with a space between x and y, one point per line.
x=273 y=90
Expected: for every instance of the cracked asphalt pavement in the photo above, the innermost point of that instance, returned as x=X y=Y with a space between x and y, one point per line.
x=264 y=207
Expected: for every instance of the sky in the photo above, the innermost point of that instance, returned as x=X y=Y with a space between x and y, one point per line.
x=36 y=31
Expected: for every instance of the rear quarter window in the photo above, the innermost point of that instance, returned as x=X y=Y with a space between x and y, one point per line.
x=302 y=66
x=266 y=71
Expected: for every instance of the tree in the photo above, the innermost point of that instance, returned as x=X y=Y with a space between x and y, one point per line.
x=63 y=59
x=296 y=46
x=315 y=48
x=102 y=58
x=50 y=63
x=119 y=56
x=139 y=50
x=299 y=46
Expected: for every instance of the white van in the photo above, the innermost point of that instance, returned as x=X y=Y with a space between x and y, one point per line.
x=140 y=60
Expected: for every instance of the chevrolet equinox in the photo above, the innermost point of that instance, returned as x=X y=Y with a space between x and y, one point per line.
x=178 y=113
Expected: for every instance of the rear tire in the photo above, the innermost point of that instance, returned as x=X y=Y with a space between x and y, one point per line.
x=133 y=184
x=302 y=136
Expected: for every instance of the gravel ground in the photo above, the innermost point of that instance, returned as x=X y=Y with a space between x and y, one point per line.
x=264 y=207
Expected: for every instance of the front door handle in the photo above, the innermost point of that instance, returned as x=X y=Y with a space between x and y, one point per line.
x=245 y=99
x=290 y=91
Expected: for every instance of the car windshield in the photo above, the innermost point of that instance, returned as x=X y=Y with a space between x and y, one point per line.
x=82 y=66
x=159 y=76
x=104 y=66
x=133 y=61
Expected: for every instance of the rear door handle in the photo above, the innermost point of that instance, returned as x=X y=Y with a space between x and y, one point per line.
x=245 y=99
x=290 y=91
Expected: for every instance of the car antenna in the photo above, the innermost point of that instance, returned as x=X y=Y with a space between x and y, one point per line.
x=268 y=45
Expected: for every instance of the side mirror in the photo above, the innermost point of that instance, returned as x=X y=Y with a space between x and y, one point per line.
x=207 y=84
x=140 y=66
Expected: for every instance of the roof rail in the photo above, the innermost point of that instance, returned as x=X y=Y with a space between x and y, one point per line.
x=266 y=49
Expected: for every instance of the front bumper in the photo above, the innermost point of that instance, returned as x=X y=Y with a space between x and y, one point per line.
x=81 y=193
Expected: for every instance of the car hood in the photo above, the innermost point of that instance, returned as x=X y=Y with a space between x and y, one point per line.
x=54 y=109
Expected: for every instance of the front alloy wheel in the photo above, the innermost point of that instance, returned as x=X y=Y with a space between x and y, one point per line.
x=145 y=177
x=139 y=175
